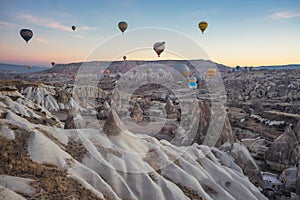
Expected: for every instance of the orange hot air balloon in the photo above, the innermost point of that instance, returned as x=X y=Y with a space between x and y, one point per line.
x=211 y=72
x=107 y=71
x=192 y=79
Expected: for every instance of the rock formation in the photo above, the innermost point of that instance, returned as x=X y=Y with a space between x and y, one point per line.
x=74 y=119
x=103 y=111
x=172 y=111
x=243 y=158
x=282 y=153
x=113 y=125
x=289 y=178
x=204 y=123
x=137 y=113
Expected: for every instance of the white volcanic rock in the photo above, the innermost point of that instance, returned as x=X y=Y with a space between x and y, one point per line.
x=74 y=119
x=244 y=159
x=20 y=185
x=43 y=96
x=111 y=163
x=7 y=194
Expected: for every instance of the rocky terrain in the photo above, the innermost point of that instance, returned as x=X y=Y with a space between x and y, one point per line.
x=59 y=141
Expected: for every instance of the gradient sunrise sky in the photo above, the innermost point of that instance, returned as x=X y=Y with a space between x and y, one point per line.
x=240 y=32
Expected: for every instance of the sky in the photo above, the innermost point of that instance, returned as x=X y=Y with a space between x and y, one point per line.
x=240 y=32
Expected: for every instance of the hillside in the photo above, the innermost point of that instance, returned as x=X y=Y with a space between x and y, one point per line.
x=42 y=158
x=12 y=68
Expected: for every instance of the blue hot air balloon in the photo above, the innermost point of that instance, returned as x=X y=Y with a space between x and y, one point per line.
x=193 y=85
x=26 y=34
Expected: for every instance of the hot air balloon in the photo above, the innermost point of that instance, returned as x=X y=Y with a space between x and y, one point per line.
x=202 y=26
x=148 y=77
x=193 y=85
x=122 y=26
x=29 y=66
x=53 y=64
x=192 y=79
x=161 y=72
x=159 y=47
x=26 y=34
x=73 y=28
x=211 y=72
x=124 y=58
x=183 y=69
x=148 y=70
x=107 y=71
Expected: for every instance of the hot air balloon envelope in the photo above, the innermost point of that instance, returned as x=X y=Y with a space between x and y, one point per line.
x=161 y=72
x=122 y=26
x=192 y=85
x=183 y=69
x=148 y=77
x=211 y=72
x=148 y=70
x=202 y=26
x=159 y=47
x=26 y=34
x=192 y=79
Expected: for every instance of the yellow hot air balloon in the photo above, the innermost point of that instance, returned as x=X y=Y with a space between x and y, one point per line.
x=202 y=26
x=122 y=26
x=29 y=66
x=211 y=72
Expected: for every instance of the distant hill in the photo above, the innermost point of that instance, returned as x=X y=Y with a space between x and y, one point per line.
x=117 y=66
x=277 y=67
x=19 y=69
